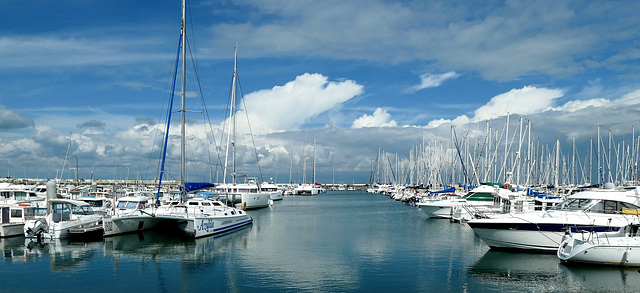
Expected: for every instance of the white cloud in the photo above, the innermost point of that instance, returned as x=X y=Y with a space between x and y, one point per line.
x=577 y=105
x=288 y=107
x=428 y=80
x=524 y=101
x=380 y=118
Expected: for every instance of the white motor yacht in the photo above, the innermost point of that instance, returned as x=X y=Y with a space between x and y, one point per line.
x=596 y=210
x=619 y=248
x=64 y=217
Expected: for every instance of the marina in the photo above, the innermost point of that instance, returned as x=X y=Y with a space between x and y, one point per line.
x=387 y=147
x=340 y=241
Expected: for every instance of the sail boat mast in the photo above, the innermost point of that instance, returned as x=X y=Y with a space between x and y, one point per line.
x=231 y=142
x=182 y=111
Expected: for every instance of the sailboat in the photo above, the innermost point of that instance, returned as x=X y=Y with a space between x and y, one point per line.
x=307 y=188
x=197 y=218
x=249 y=194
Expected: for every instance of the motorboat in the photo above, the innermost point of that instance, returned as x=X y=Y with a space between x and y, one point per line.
x=595 y=210
x=13 y=217
x=618 y=248
x=272 y=189
x=64 y=218
x=481 y=196
x=309 y=189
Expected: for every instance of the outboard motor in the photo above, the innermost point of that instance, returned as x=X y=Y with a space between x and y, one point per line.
x=39 y=227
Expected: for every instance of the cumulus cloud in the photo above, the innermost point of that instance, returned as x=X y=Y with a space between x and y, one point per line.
x=524 y=101
x=9 y=120
x=288 y=107
x=91 y=124
x=429 y=80
x=380 y=118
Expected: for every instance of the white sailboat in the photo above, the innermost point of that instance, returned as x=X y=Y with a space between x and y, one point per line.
x=306 y=188
x=248 y=194
x=196 y=222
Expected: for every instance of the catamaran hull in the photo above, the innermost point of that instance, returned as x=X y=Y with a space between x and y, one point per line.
x=117 y=225
x=206 y=226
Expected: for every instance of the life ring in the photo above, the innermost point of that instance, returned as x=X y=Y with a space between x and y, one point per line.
x=507 y=186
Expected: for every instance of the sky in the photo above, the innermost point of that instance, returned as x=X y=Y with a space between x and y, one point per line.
x=89 y=82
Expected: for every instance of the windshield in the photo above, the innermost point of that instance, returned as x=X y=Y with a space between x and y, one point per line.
x=82 y=210
x=576 y=204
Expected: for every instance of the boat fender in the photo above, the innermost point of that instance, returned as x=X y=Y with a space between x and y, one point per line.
x=244 y=205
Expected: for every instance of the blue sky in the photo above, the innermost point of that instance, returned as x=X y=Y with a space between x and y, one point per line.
x=356 y=76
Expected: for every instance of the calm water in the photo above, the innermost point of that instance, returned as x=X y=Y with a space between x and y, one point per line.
x=335 y=242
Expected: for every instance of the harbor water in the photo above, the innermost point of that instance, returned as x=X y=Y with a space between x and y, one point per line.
x=340 y=241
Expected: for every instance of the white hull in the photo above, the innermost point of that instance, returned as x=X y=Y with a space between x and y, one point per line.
x=276 y=195
x=526 y=240
x=539 y=230
x=594 y=211
x=255 y=200
x=115 y=225
x=205 y=226
x=607 y=248
x=11 y=229
x=61 y=230
x=436 y=211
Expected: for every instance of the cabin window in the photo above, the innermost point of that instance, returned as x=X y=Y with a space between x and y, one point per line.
x=5 y=194
x=132 y=205
x=122 y=204
x=20 y=195
x=16 y=213
x=193 y=203
x=206 y=204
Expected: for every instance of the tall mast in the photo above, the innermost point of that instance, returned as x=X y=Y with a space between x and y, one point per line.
x=233 y=109
x=232 y=126
x=182 y=112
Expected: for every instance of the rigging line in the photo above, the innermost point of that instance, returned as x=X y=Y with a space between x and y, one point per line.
x=204 y=106
x=255 y=150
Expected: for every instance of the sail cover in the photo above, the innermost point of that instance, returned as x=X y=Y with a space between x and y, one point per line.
x=191 y=186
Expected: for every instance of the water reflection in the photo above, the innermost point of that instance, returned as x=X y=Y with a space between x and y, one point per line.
x=154 y=245
x=544 y=272
x=63 y=256
x=66 y=256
